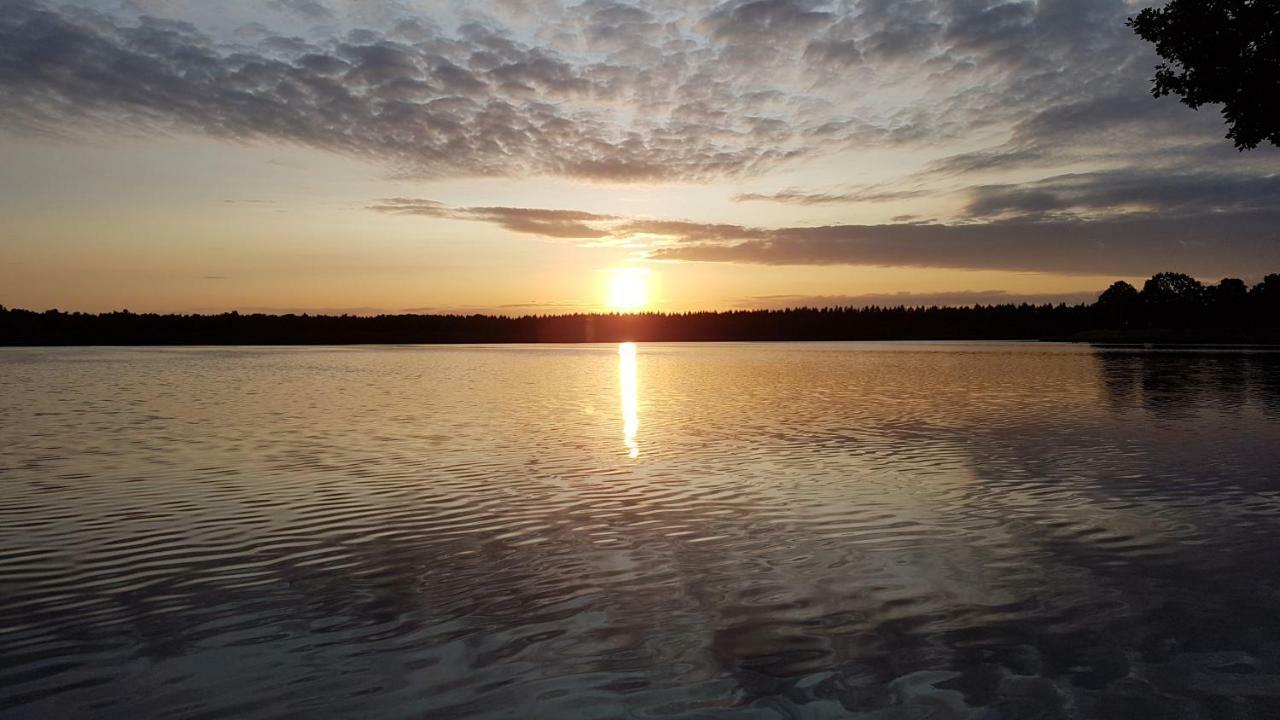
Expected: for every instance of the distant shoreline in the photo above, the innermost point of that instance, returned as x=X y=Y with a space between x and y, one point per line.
x=1044 y=323
x=1116 y=345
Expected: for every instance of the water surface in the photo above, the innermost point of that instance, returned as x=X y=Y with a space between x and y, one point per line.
x=689 y=531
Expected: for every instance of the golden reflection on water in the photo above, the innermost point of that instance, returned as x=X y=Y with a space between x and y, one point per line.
x=627 y=385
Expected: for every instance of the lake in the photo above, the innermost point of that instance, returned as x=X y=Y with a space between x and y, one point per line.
x=887 y=531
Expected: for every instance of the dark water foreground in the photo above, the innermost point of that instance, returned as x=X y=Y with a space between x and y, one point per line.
x=695 y=531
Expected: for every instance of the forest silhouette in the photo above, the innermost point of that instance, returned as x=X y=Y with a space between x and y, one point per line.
x=1170 y=307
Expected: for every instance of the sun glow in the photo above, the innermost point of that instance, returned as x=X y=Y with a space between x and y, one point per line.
x=628 y=289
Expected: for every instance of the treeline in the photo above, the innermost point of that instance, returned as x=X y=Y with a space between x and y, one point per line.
x=1170 y=307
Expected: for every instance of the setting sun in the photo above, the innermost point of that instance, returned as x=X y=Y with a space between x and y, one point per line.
x=628 y=289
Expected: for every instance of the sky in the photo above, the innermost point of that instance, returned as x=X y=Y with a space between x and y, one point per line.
x=520 y=156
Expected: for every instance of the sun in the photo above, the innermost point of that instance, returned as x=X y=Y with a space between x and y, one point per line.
x=628 y=288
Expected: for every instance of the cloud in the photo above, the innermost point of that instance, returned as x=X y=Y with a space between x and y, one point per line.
x=474 y=101
x=869 y=194
x=1180 y=194
x=364 y=311
x=1093 y=195
x=962 y=298
x=1121 y=126
x=523 y=309
x=610 y=90
x=470 y=106
x=562 y=224
x=685 y=230
x=1133 y=244
x=980 y=93
x=1220 y=243
x=311 y=9
x=764 y=21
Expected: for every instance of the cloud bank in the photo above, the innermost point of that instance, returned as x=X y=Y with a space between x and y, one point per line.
x=603 y=89
x=1210 y=245
x=1213 y=243
x=1032 y=139
x=962 y=298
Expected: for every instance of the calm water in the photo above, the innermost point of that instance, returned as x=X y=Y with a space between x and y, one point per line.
x=697 y=531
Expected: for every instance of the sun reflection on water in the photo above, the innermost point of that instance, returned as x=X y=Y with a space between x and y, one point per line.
x=627 y=385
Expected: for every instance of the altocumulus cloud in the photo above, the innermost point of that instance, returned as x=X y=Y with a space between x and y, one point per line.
x=472 y=101
x=1171 y=194
x=983 y=94
x=602 y=89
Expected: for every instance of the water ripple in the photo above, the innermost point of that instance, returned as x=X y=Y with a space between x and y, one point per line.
x=728 y=530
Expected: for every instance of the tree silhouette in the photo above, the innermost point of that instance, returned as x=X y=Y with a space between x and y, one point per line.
x=1220 y=51
x=1266 y=297
x=1228 y=302
x=1119 y=293
x=1171 y=298
x=1269 y=287
x=1118 y=304
x=1172 y=288
x=1172 y=307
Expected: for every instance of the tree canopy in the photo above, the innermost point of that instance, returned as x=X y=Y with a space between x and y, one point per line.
x=1220 y=51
